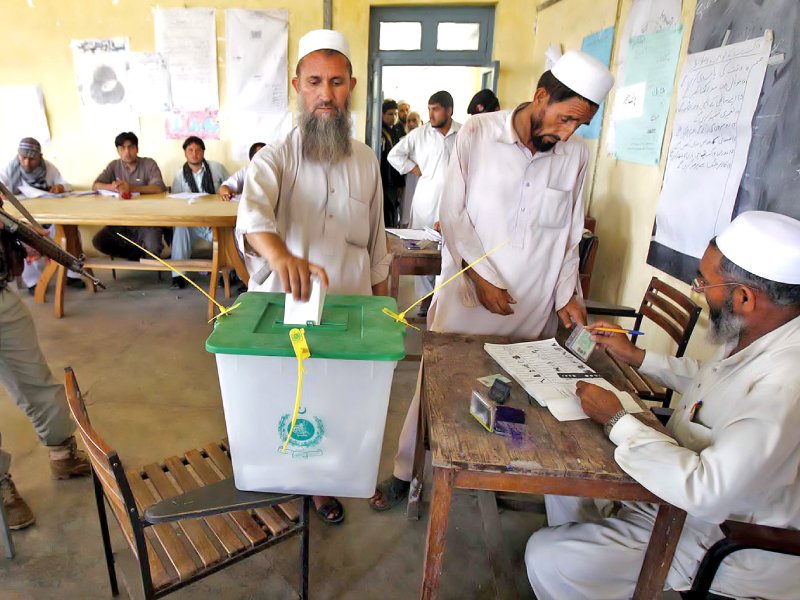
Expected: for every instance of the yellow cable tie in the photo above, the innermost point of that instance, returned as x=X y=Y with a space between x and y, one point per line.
x=301 y=351
x=401 y=318
x=222 y=309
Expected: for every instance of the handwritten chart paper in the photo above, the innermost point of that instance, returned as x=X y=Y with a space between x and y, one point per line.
x=257 y=43
x=149 y=87
x=652 y=59
x=717 y=95
x=187 y=38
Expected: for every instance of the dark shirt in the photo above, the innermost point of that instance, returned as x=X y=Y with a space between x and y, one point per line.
x=145 y=173
x=389 y=175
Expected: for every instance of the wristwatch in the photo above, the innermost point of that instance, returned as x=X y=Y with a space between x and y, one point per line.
x=613 y=421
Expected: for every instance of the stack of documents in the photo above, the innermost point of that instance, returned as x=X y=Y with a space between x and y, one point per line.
x=115 y=194
x=28 y=191
x=549 y=373
x=416 y=235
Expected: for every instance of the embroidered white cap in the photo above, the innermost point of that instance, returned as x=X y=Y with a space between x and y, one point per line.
x=584 y=74
x=322 y=39
x=764 y=243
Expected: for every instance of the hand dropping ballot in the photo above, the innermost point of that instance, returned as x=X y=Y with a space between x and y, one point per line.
x=298 y=312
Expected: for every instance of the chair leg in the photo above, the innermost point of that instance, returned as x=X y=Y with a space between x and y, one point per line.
x=101 y=514
x=5 y=533
x=304 y=540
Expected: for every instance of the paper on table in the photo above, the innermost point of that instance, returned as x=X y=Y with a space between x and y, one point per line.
x=717 y=95
x=567 y=407
x=417 y=235
x=297 y=312
x=113 y=194
x=188 y=195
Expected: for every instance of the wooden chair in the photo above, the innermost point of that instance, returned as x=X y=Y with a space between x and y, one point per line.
x=201 y=524
x=5 y=533
x=738 y=536
x=673 y=312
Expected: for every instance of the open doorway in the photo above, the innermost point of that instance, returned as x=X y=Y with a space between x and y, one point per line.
x=416 y=51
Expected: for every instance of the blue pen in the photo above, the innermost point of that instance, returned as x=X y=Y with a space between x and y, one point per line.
x=616 y=330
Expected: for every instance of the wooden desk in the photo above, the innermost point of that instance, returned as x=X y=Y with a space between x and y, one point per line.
x=572 y=458
x=427 y=261
x=151 y=210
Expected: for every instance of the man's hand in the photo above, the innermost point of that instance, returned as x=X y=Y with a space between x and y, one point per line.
x=57 y=189
x=437 y=226
x=617 y=344
x=226 y=193
x=494 y=299
x=123 y=187
x=416 y=171
x=295 y=274
x=599 y=404
x=572 y=312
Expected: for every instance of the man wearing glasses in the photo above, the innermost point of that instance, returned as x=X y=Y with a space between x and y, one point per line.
x=732 y=451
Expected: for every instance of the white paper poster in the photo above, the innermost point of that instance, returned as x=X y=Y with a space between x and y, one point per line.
x=717 y=95
x=149 y=86
x=101 y=70
x=248 y=128
x=22 y=115
x=257 y=43
x=187 y=37
x=629 y=101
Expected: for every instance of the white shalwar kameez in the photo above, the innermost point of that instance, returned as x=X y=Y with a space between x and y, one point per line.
x=738 y=459
x=331 y=215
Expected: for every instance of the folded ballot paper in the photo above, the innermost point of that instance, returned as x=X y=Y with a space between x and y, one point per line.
x=549 y=373
x=297 y=312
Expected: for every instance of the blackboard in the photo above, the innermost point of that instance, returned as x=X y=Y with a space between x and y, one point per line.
x=771 y=179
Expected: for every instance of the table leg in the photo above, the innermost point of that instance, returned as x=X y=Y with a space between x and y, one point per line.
x=67 y=237
x=215 y=265
x=658 y=557
x=496 y=549
x=229 y=255
x=437 y=531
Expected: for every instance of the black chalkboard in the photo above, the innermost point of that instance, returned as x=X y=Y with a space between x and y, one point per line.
x=771 y=179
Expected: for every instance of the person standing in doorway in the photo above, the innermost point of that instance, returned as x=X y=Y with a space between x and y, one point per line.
x=391 y=180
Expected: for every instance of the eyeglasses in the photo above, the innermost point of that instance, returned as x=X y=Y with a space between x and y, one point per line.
x=700 y=286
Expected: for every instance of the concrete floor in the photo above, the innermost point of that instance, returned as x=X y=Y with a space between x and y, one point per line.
x=152 y=390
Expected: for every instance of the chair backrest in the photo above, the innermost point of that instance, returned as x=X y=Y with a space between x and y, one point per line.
x=587 y=251
x=106 y=465
x=671 y=310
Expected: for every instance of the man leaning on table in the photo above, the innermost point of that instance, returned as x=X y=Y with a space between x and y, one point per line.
x=197 y=175
x=515 y=178
x=129 y=174
x=731 y=451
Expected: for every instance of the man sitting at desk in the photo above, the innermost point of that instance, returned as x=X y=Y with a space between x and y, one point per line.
x=516 y=180
x=130 y=174
x=234 y=185
x=197 y=175
x=732 y=451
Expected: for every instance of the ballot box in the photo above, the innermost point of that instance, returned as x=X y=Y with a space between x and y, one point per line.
x=335 y=446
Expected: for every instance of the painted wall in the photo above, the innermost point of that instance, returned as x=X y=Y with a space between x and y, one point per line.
x=35 y=50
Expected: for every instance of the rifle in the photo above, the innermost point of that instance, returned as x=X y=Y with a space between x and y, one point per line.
x=42 y=244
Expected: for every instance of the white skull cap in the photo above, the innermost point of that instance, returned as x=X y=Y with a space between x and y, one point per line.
x=584 y=75
x=322 y=39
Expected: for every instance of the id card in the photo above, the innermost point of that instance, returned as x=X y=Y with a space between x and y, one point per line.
x=580 y=342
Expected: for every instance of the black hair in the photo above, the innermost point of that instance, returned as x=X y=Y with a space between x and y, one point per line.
x=327 y=53
x=193 y=139
x=389 y=104
x=126 y=136
x=780 y=294
x=442 y=98
x=558 y=91
x=485 y=98
x=255 y=148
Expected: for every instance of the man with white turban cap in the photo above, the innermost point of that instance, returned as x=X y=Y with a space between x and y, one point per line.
x=515 y=178
x=732 y=451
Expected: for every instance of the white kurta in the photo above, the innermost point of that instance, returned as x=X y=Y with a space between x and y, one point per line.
x=498 y=191
x=332 y=215
x=428 y=149
x=738 y=459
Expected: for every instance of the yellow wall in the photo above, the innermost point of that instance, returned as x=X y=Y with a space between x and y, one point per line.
x=35 y=50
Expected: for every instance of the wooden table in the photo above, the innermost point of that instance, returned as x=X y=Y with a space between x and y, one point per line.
x=426 y=261
x=572 y=458
x=151 y=210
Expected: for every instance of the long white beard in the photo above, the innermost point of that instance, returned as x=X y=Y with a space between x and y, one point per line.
x=325 y=139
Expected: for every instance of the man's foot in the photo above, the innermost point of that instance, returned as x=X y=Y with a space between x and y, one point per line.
x=329 y=509
x=389 y=493
x=178 y=283
x=18 y=513
x=67 y=461
x=78 y=284
x=32 y=290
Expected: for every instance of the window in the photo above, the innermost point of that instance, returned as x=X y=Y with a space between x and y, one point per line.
x=400 y=35
x=458 y=36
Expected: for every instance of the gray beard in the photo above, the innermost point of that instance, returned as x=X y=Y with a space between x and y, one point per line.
x=325 y=140
x=725 y=326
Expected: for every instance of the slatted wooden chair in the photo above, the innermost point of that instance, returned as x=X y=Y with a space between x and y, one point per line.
x=673 y=312
x=182 y=518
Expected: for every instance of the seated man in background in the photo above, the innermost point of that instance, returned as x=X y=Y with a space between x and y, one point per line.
x=29 y=170
x=197 y=175
x=731 y=449
x=130 y=174
x=234 y=184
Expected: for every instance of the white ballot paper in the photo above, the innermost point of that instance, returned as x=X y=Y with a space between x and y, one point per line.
x=550 y=373
x=297 y=312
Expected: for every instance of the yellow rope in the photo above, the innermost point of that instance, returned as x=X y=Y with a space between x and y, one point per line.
x=301 y=351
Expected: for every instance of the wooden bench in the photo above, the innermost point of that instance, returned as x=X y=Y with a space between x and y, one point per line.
x=175 y=541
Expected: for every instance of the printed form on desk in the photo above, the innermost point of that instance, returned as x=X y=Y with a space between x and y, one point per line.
x=550 y=373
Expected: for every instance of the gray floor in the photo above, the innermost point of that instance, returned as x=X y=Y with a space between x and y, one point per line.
x=152 y=390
